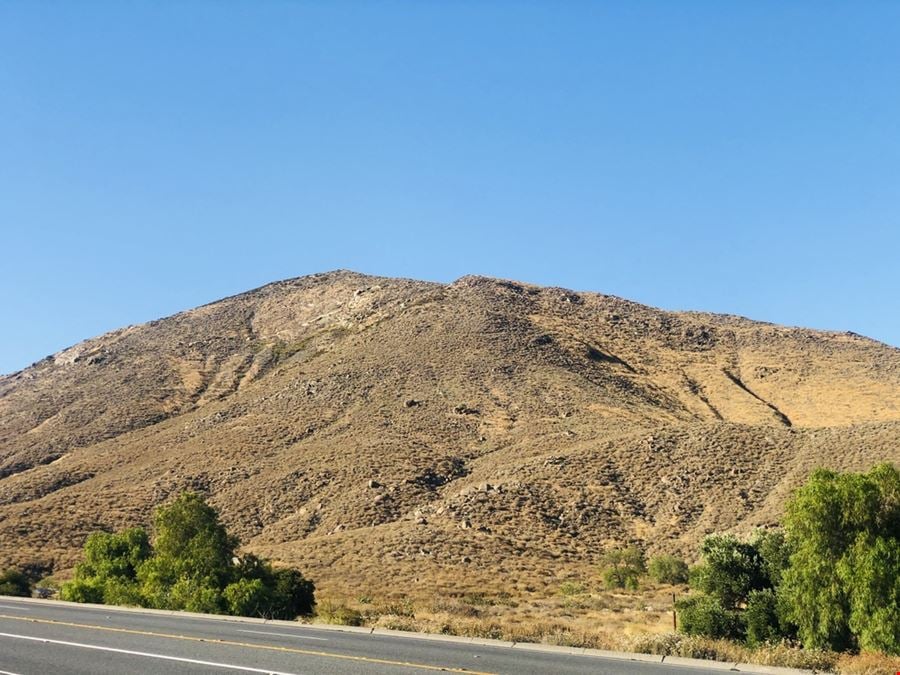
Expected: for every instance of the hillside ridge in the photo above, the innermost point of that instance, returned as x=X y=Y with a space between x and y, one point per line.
x=357 y=425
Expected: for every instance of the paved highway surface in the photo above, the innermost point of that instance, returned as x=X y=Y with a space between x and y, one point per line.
x=38 y=638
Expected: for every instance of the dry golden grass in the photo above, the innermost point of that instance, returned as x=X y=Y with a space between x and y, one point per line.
x=566 y=619
x=868 y=664
x=638 y=621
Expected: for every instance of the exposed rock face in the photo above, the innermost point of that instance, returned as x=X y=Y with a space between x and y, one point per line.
x=347 y=423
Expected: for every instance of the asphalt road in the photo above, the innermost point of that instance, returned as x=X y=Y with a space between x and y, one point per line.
x=38 y=638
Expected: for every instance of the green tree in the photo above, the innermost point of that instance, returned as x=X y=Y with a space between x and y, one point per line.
x=191 y=540
x=116 y=555
x=703 y=614
x=15 y=582
x=83 y=590
x=622 y=568
x=193 y=594
x=731 y=569
x=830 y=577
x=249 y=597
x=192 y=559
x=736 y=583
x=190 y=566
x=292 y=594
x=107 y=572
x=871 y=570
x=761 y=618
x=775 y=552
x=260 y=590
x=668 y=569
x=841 y=588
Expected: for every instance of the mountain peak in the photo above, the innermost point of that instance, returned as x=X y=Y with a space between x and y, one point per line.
x=528 y=426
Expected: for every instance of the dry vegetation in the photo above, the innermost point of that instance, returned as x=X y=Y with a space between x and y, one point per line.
x=582 y=614
x=383 y=434
x=578 y=614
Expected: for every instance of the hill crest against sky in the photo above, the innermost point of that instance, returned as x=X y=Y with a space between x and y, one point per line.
x=347 y=423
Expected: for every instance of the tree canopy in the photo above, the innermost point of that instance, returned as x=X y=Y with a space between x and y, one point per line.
x=622 y=568
x=842 y=586
x=190 y=565
x=668 y=569
x=831 y=577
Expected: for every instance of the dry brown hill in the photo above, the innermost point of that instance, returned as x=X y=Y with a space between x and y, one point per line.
x=381 y=431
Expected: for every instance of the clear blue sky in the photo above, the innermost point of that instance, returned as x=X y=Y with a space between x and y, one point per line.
x=740 y=157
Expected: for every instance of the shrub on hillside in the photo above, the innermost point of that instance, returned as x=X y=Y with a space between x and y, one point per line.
x=331 y=612
x=622 y=568
x=569 y=589
x=15 y=582
x=668 y=569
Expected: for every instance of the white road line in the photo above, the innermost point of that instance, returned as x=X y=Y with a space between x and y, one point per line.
x=6 y=672
x=150 y=655
x=291 y=635
x=19 y=607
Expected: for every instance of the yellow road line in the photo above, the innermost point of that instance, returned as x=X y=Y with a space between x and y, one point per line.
x=233 y=643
